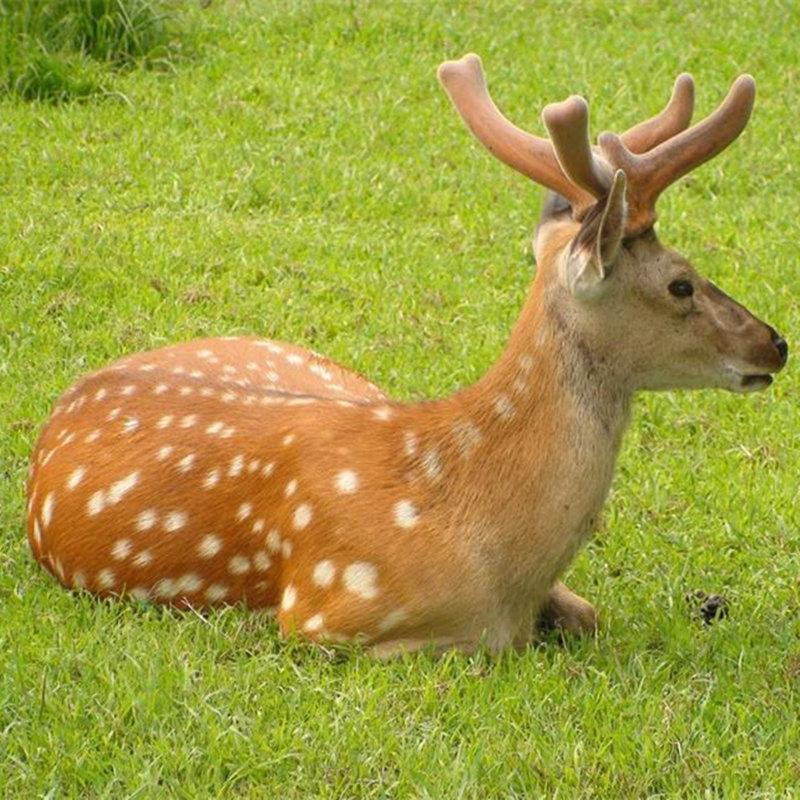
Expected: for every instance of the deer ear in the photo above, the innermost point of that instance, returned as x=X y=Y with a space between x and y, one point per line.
x=594 y=250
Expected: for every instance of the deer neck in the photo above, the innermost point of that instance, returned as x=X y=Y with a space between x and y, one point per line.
x=548 y=421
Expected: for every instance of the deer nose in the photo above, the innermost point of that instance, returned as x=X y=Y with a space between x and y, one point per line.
x=781 y=346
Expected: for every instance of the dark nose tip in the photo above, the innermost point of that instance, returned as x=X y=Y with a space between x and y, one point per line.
x=781 y=346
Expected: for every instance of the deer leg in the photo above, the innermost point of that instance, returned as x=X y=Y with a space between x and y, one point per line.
x=567 y=611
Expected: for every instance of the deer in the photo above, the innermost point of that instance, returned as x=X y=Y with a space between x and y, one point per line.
x=238 y=470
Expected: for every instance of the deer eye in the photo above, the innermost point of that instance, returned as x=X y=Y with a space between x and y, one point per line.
x=681 y=289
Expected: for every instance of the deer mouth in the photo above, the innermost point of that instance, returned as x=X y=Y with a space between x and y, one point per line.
x=754 y=383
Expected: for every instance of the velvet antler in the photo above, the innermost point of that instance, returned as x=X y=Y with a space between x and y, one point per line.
x=653 y=154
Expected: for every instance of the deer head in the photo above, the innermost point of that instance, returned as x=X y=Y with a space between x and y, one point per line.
x=639 y=308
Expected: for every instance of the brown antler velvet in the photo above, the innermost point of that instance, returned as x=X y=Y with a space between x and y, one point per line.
x=533 y=156
x=653 y=154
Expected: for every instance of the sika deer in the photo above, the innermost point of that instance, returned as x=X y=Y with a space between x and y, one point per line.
x=238 y=470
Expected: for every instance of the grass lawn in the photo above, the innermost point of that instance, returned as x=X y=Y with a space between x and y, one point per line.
x=300 y=175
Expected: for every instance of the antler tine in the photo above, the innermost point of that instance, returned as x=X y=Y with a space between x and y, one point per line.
x=464 y=82
x=568 y=125
x=675 y=117
x=651 y=173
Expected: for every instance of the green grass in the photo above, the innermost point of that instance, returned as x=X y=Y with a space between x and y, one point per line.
x=306 y=179
x=56 y=50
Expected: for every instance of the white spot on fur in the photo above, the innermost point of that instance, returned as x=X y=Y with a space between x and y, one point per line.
x=273 y=540
x=215 y=427
x=239 y=565
x=291 y=488
x=105 y=579
x=166 y=588
x=360 y=578
x=211 y=480
x=392 y=620
x=347 y=481
x=161 y=388
x=216 y=592
x=93 y=436
x=237 y=464
x=100 y=394
x=253 y=465
x=188 y=421
x=268 y=469
x=165 y=452
x=467 y=436
x=165 y=421
x=96 y=503
x=121 y=487
x=146 y=520
x=288 y=439
x=289 y=598
x=258 y=526
x=313 y=624
x=286 y=548
x=121 y=549
x=503 y=407
x=245 y=509
x=406 y=514
x=261 y=561
x=209 y=546
x=410 y=445
x=324 y=573
x=175 y=520
x=321 y=372
x=294 y=359
x=189 y=583
x=382 y=413
x=139 y=593
x=47 y=509
x=113 y=414
x=432 y=464
x=302 y=517
x=142 y=559
x=186 y=463
x=76 y=476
